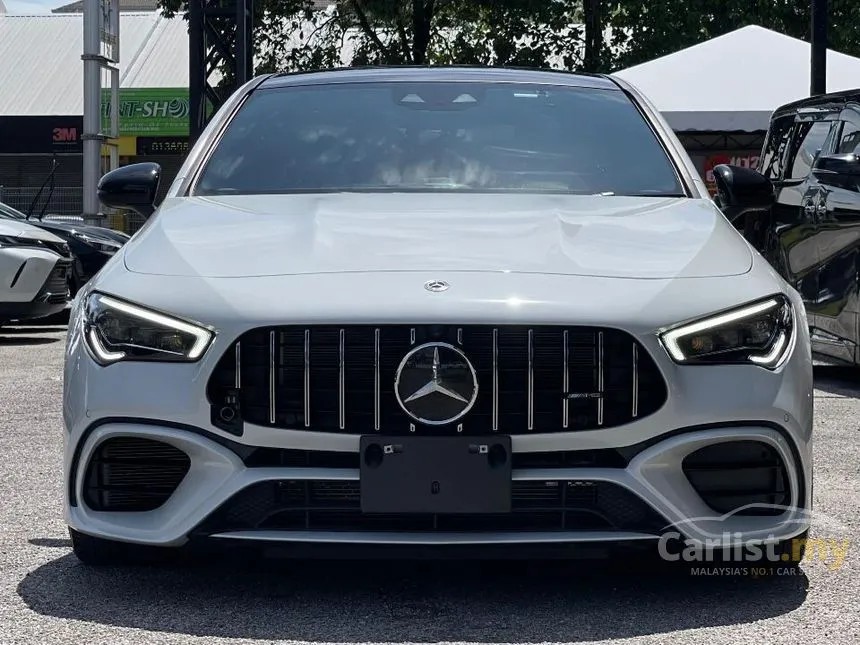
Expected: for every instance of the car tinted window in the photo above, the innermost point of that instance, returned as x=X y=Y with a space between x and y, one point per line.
x=775 y=146
x=439 y=136
x=849 y=139
x=808 y=139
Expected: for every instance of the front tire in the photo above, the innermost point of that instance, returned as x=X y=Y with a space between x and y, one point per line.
x=96 y=552
x=792 y=551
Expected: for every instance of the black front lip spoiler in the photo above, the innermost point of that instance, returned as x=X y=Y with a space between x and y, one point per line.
x=205 y=545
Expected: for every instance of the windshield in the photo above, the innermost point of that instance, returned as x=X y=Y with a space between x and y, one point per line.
x=435 y=136
x=10 y=213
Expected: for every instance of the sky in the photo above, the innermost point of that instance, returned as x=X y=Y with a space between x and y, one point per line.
x=32 y=6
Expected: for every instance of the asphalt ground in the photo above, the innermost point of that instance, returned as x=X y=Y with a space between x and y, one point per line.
x=47 y=596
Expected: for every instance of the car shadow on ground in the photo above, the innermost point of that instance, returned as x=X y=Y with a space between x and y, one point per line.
x=32 y=329
x=359 y=602
x=841 y=381
x=22 y=335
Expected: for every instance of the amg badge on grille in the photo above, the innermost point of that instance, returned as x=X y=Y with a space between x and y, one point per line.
x=436 y=384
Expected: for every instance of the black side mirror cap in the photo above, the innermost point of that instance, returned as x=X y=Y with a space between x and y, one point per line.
x=742 y=190
x=133 y=187
x=837 y=170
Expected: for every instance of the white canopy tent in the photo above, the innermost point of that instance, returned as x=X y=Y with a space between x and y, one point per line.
x=734 y=82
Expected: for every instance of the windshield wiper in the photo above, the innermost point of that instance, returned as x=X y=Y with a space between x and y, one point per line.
x=41 y=188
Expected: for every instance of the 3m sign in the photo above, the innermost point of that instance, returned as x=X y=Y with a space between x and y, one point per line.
x=65 y=135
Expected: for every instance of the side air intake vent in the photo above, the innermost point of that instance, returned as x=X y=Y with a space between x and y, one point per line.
x=133 y=474
x=742 y=477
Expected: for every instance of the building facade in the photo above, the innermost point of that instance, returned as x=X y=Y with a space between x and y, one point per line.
x=41 y=108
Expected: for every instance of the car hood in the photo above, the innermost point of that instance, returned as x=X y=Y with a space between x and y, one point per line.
x=71 y=227
x=624 y=237
x=16 y=228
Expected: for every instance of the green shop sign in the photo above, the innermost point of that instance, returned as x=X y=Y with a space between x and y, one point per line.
x=149 y=112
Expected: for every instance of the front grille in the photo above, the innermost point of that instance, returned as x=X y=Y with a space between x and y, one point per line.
x=56 y=287
x=741 y=477
x=133 y=474
x=335 y=506
x=342 y=379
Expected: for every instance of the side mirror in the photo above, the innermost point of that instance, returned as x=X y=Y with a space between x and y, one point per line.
x=133 y=187
x=837 y=170
x=742 y=190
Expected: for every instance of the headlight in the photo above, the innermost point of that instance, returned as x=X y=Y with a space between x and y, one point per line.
x=760 y=333
x=9 y=240
x=103 y=244
x=116 y=330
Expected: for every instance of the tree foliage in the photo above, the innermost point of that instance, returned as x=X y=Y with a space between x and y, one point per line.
x=418 y=32
x=590 y=35
x=290 y=35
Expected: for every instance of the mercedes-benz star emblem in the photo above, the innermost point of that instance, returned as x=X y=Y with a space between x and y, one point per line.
x=436 y=384
x=436 y=285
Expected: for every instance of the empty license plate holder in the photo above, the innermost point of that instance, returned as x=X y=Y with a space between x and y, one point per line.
x=444 y=475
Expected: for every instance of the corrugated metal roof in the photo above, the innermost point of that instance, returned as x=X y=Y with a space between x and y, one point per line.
x=162 y=60
x=150 y=5
x=124 y=5
x=48 y=79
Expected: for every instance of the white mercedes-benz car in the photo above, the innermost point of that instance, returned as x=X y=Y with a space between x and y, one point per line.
x=436 y=310
x=35 y=266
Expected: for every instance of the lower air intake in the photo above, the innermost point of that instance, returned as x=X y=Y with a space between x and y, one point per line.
x=325 y=505
x=740 y=477
x=132 y=474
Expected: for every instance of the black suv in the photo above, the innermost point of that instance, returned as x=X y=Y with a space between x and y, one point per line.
x=801 y=210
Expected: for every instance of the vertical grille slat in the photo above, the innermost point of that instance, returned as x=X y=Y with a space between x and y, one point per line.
x=565 y=384
x=272 y=377
x=531 y=379
x=238 y=357
x=635 y=410
x=307 y=381
x=600 y=378
x=376 y=380
x=341 y=380
x=495 y=380
x=531 y=382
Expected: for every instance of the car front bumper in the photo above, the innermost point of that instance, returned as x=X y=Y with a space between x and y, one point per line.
x=706 y=406
x=654 y=475
x=645 y=479
x=38 y=284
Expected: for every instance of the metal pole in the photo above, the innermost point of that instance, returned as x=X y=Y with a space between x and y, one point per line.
x=92 y=138
x=244 y=49
x=196 y=71
x=818 y=73
x=593 y=36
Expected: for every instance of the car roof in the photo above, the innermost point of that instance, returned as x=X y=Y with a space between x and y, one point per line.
x=440 y=73
x=834 y=100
